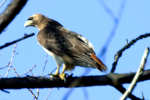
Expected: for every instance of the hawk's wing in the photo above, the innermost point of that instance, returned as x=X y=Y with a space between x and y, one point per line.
x=67 y=43
x=80 y=45
x=81 y=49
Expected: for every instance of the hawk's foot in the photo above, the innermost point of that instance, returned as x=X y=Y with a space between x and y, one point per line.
x=62 y=76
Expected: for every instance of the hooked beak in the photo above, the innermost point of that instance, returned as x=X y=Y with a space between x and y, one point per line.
x=28 y=23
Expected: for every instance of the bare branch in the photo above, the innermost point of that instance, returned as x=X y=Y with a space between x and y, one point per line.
x=10 y=12
x=35 y=97
x=10 y=63
x=68 y=94
x=137 y=75
x=15 y=41
x=127 y=46
x=116 y=20
x=84 y=81
x=107 y=9
x=30 y=70
x=42 y=82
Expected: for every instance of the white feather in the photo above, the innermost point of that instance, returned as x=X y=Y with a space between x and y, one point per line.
x=86 y=41
x=58 y=59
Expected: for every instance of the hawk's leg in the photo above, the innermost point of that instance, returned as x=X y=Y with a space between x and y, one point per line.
x=59 y=62
x=56 y=74
x=57 y=70
x=63 y=75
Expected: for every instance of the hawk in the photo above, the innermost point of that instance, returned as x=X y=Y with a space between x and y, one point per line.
x=67 y=47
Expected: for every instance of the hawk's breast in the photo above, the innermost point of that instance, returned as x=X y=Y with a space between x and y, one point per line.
x=59 y=60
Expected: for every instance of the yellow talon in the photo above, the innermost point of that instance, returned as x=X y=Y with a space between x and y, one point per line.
x=62 y=76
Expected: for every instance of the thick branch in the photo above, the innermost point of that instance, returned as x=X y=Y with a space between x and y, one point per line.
x=42 y=82
x=9 y=14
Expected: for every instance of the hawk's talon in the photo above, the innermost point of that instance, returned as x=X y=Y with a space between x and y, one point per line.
x=62 y=76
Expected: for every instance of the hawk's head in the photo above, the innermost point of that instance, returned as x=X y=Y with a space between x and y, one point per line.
x=40 y=21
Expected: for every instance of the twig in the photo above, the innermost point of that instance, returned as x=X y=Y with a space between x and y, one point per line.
x=5 y=91
x=10 y=64
x=143 y=98
x=68 y=94
x=127 y=46
x=17 y=40
x=30 y=70
x=30 y=90
x=85 y=93
x=35 y=97
x=107 y=9
x=38 y=93
x=45 y=63
x=137 y=75
x=10 y=12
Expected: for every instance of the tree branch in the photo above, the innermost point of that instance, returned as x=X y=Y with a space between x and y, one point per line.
x=15 y=41
x=122 y=90
x=84 y=81
x=10 y=12
x=116 y=20
x=127 y=46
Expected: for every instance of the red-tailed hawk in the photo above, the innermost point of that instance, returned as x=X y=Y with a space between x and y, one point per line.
x=67 y=47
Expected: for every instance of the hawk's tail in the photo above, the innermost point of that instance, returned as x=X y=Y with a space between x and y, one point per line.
x=99 y=63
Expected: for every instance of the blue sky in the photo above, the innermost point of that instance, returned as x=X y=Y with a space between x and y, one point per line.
x=89 y=18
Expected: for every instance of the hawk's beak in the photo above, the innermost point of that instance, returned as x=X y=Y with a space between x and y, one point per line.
x=28 y=23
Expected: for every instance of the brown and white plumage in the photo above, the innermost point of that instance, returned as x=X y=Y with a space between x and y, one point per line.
x=67 y=47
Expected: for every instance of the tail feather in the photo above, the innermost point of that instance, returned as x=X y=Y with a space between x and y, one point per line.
x=100 y=65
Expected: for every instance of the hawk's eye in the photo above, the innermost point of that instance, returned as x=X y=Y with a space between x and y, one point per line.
x=30 y=18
